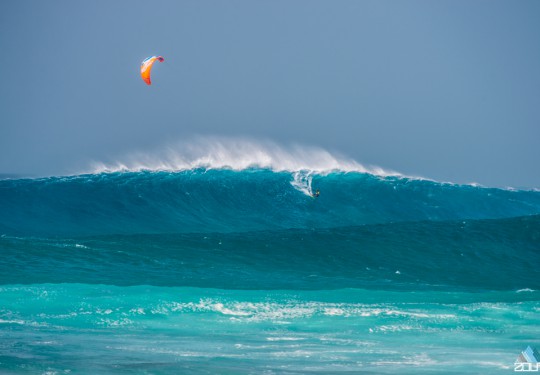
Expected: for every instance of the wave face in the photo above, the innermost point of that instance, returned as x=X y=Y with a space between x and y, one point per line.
x=243 y=271
x=207 y=201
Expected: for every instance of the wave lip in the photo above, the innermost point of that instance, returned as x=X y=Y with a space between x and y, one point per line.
x=236 y=154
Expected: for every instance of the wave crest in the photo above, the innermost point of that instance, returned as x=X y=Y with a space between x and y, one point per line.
x=236 y=154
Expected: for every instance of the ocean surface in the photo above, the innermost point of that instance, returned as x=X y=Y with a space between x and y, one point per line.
x=221 y=271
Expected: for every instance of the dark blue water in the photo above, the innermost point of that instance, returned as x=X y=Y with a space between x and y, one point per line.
x=224 y=271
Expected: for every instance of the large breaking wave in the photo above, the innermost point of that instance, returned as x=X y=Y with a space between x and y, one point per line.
x=214 y=257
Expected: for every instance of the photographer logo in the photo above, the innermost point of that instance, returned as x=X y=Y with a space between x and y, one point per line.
x=528 y=361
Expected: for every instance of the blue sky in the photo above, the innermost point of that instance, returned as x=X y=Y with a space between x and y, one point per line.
x=448 y=90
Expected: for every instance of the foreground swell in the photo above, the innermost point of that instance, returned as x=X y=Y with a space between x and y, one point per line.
x=470 y=254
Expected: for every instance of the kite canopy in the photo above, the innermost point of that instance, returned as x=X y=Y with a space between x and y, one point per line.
x=146 y=67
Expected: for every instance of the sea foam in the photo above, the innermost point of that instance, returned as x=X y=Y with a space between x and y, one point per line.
x=236 y=154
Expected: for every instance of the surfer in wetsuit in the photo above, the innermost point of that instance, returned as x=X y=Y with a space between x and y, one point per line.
x=316 y=194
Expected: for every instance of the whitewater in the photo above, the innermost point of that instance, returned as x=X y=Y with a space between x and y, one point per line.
x=213 y=257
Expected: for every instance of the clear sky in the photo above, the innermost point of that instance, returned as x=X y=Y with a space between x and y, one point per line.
x=448 y=90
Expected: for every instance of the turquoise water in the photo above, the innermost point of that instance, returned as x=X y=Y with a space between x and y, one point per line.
x=237 y=272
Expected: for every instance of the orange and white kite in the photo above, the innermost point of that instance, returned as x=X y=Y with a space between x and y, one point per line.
x=146 y=67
